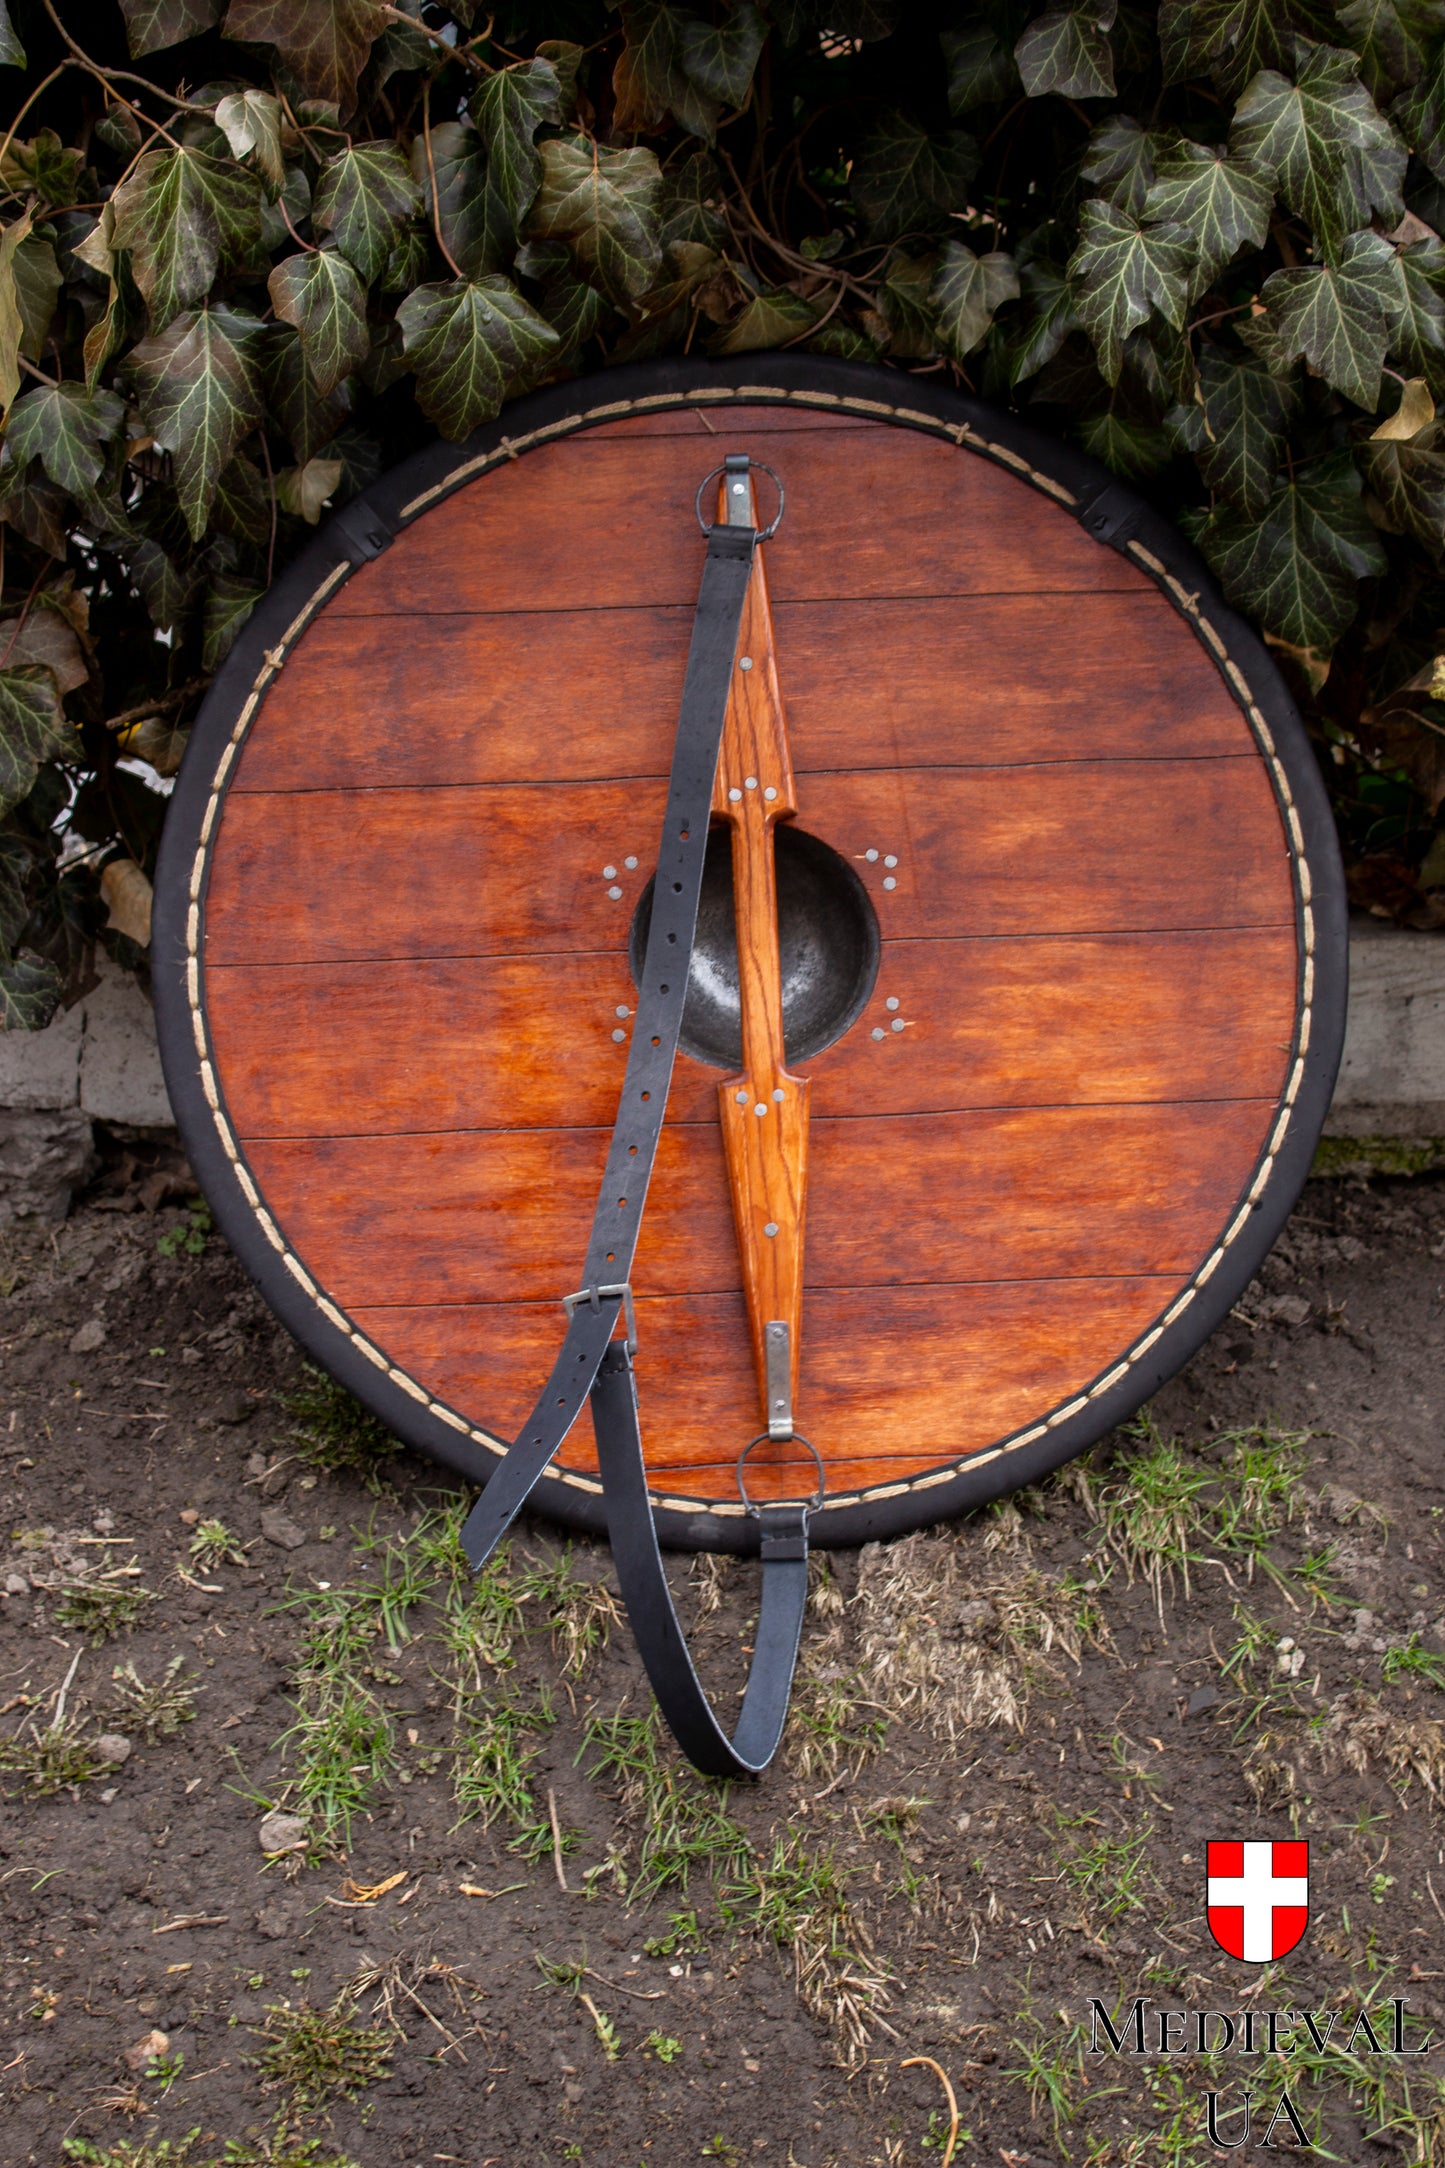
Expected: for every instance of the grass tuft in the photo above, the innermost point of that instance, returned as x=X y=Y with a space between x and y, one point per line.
x=315 y=2055
x=331 y=1430
x=679 y=1822
x=50 y=1760
x=798 y=1900
x=158 y=1707
x=99 y=1609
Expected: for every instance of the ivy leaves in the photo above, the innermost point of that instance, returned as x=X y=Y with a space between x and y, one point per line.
x=1066 y=52
x=472 y=343
x=603 y=205
x=1121 y=272
x=363 y=197
x=200 y=396
x=1321 y=141
x=184 y=216
x=1295 y=569
x=324 y=296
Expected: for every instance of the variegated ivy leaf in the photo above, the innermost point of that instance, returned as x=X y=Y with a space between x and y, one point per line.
x=1246 y=410
x=250 y=120
x=1121 y=272
x=1119 y=163
x=324 y=43
x=1407 y=476
x=33 y=728
x=199 y=395
x=720 y=56
x=981 y=67
x=151 y=25
x=12 y=52
x=30 y=990
x=1051 y=317
x=17 y=866
x=691 y=196
x=651 y=80
x=309 y=416
x=324 y=296
x=1233 y=39
x=473 y=343
x=509 y=108
x=604 y=204
x=38 y=280
x=1322 y=141
x=1067 y=53
x=476 y=225
x=1336 y=314
x=772 y=318
x=12 y=323
x=1295 y=570
x=229 y=601
x=63 y=426
x=1419 y=114
x=967 y=290
x=184 y=215
x=904 y=304
x=363 y=197
x=904 y=178
x=1224 y=206
x=1417 y=330
x=1391 y=38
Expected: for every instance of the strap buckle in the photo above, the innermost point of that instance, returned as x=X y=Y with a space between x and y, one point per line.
x=810 y=1505
x=765 y=534
x=594 y=1295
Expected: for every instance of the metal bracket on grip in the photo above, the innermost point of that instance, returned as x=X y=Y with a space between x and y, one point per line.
x=593 y=1295
x=738 y=463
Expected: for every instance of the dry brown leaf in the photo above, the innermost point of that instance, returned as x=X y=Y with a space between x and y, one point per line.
x=366 y=1893
x=1414 y=413
x=127 y=895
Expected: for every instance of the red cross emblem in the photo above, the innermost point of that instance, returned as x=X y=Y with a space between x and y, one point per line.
x=1258 y=1898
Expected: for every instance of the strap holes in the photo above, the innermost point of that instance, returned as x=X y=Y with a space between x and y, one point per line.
x=647 y=1095
x=677 y=888
x=632 y=1154
x=657 y=1042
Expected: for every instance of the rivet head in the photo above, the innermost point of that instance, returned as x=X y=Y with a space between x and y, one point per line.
x=623 y=1010
x=769 y=792
x=614 y=892
x=872 y=857
x=742 y=1099
x=618 y=1037
x=609 y=873
x=890 y=860
x=750 y=782
x=888 y=881
x=760 y=1108
x=778 y=1095
x=898 y=1023
x=735 y=796
x=890 y=1003
x=771 y=1228
x=631 y=864
x=739 y=489
x=878 y=1031
x=745 y=662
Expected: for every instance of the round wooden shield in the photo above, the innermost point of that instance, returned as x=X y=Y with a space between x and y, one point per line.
x=1061 y=861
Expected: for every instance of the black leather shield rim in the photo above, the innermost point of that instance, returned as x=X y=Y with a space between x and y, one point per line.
x=1117 y=519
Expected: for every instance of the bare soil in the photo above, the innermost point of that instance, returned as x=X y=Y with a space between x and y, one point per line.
x=970 y=1835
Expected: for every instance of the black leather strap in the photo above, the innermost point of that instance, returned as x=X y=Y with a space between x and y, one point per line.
x=650 y=1610
x=727 y=569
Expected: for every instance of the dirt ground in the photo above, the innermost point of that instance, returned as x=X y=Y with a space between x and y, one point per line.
x=517 y=1931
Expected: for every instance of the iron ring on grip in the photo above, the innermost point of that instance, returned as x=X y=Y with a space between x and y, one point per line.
x=765 y=534
x=797 y=1438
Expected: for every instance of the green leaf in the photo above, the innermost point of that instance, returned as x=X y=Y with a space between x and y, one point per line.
x=904 y=177
x=324 y=43
x=508 y=109
x=229 y=602
x=567 y=59
x=1066 y=52
x=12 y=323
x=1246 y=409
x=12 y=52
x=161 y=584
x=1419 y=114
x=980 y=67
x=903 y=301
x=650 y=81
x=17 y=864
x=604 y=205
x=1295 y=570
x=33 y=729
x=967 y=290
x=719 y=57
x=1335 y=315
x=43 y=167
x=199 y=397
x=30 y=990
x=1408 y=479
x=1321 y=140
x=1120 y=163
x=363 y=197
x=1224 y=206
x=1121 y=272
x=309 y=417
x=473 y=343
x=183 y=215
x=1127 y=443
x=690 y=200
x=250 y=120
x=62 y=426
x=1417 y=328
x=1391 y=37
x=1233 y=39
x=770 y=319
x=324 y=296
x=1050 y=319
x=476 y=225
x=151 y=25
x=38 y=280
x=242 y=507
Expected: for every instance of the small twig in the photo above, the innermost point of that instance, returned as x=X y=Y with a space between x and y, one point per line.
x=556 y=1841
x=161 y=705
x=59 y=1717
x=193 y=1919
x=450 y=2038
x=1433 y=1898
x=10 y=138
x=452 y=52
x=926 y=2062
x=121 y=75
x=436 y=209
x=639 y=1994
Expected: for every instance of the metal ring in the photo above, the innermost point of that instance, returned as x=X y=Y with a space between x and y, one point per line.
x=797 y=1438
x=765 y=534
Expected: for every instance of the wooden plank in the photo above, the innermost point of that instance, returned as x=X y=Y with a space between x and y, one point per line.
x=502 y=870
x=443 y=1043
x=598 y=521
x=563 y=695
x=893 y=1380
x=1032 y=1193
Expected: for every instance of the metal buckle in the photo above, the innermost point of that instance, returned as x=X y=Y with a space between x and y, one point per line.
x=765 y=534
x=594 y=1296
x=812 y=1504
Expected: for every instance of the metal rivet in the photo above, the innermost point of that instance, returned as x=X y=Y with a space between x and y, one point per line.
x=878 y=1031
x=622 y=1009
x=609 y=873
x=760 y=1108
x=778 y=1096
x=618 y=1037
x=898 y=1023
x=614 y=892
x=742 y=1099
x=888 y=881
x=890 y=1003
x=740 y=489
x=750 y=782
x=745 y=662
x=735 y=796
x=770 y=792
x=771 y=1228
x=890 y=860
x=631 y=864
x=872 y=857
